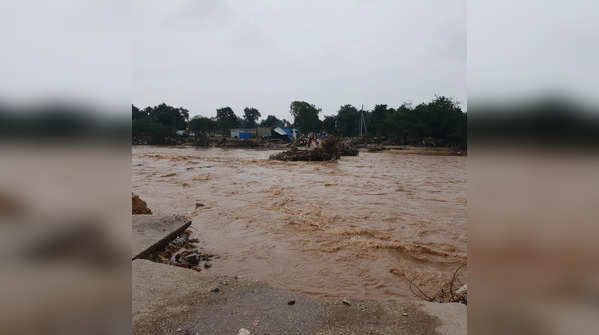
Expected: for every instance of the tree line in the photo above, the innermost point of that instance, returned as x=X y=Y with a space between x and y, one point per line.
x=164 y=120
x=440 y=122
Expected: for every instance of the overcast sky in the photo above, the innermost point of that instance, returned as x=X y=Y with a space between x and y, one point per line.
x=521 y=49
x=210 y=53
x=203 y=55
x=71 y=50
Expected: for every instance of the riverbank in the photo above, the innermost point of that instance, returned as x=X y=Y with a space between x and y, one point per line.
x=408 y=149
x=270 y=144
x=212 y=141
x=171 y=300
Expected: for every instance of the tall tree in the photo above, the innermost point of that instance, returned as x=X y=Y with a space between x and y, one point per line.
x=168 y=115
x=250 y=115
x=185 y=113
x=348 y=121
x=377 y=119
x=155 y=130
x=272 y=121
x=305 y=116
x=226 y=119
x=203 y=125
x=329 y=123
x=402 y=124
x=137 y=114
x=439 y=122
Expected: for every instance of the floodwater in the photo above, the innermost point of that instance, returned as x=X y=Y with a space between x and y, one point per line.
x=357 y=228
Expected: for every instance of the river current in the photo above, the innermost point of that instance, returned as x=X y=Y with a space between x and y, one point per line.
x=359 y=227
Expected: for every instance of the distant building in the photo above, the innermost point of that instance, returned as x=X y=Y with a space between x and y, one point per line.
x=262 y=132
x=243 y=132
x=259 y=132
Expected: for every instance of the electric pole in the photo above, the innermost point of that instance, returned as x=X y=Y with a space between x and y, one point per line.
x=363 y=129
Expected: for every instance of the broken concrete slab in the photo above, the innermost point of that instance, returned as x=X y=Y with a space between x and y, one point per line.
x=167 y=298
x=151 y=232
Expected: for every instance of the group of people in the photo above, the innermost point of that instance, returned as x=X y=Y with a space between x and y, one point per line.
x=315 y=138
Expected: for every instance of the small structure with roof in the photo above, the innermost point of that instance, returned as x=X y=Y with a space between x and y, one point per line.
x=245 y=133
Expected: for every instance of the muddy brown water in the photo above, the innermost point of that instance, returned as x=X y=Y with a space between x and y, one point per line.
x=356 y=228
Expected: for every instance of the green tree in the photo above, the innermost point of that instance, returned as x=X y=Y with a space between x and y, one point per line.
x=348 y=121
x=401 y=124
x=377 y=120
x=250 y=115
x=272 y=121
x=329 y=123
x=168 y=115
x=185 y=113
x=439 y=122
x=446 y=121
x=305 y=116
x=203 y=125
x=226 y=119
x=155 y=130
x=138 y=114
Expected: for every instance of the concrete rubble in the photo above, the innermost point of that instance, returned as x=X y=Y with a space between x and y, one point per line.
x=183 y=252
x=151 y=233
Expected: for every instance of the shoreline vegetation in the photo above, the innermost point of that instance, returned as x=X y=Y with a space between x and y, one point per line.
x=440 y=123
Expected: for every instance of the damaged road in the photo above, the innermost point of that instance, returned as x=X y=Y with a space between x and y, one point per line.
x=172 y=300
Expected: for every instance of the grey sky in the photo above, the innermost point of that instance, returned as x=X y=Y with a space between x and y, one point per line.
x=519 y=49
x=68 y=50
x=207 y=54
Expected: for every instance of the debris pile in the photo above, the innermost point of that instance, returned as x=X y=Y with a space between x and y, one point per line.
x=346 y=148
x=301 y=141
x=331 y=148
x=317 y=154
x=139 y=206
x=183 y=252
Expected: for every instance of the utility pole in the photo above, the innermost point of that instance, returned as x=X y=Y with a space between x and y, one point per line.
x=362 y=122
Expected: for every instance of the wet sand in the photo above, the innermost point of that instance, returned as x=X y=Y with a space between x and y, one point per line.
x=352 y=228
